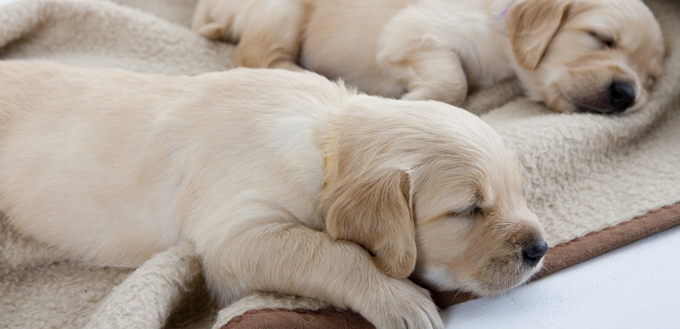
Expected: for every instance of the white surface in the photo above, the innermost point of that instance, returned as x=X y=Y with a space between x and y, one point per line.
x=636 y=286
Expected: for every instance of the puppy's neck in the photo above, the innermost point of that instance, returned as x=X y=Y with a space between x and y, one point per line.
x=330 y=161
x=482 y=43
x=501 y=40
x=505 y=11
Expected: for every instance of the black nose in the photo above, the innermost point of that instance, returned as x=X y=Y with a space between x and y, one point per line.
x=621 y=96
x=533 y=253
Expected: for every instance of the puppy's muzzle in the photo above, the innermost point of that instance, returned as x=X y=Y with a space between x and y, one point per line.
x=621 y=96
x=533 y=253
x=615 y=98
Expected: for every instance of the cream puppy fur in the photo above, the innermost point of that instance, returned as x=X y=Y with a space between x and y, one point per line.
x=286 y=182
x=574 y=55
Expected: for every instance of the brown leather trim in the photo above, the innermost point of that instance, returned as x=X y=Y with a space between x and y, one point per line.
x=329 y=317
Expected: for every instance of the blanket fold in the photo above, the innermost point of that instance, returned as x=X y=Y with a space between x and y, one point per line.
x=146 y=298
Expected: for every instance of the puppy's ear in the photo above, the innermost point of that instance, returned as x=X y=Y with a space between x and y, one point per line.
x=374 y=211
x=531 y=26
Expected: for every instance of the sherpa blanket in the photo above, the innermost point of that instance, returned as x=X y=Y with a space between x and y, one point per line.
x=596 y=182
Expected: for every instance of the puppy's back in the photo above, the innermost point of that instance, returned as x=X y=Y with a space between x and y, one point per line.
x=108 y=164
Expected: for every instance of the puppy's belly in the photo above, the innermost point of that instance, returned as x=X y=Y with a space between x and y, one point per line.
x=338 y=49
x=69 y=186
x=107 y=225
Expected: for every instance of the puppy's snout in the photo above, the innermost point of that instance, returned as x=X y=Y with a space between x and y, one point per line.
x=621 y=96
x=533 y=253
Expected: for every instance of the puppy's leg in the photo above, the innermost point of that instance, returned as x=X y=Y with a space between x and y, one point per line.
x=428 y=72
x=267 y=32
x=258 y=49
x=272 y=40
x=205 y=25
x=290 y=258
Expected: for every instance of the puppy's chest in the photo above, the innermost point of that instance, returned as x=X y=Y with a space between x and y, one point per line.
x=482 y=55
x=476 y=32
x=483 y=72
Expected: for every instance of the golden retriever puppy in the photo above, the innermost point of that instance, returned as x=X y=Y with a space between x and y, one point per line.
x=573 y=55
x=286 y=182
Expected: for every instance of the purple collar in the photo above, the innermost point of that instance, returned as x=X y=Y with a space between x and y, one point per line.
x=502 y=14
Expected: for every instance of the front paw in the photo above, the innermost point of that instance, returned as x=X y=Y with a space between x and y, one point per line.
x=403 y=304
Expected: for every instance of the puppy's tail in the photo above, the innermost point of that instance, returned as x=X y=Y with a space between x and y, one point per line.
x=203 y=23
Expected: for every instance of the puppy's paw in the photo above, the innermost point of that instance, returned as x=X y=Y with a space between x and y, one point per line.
x=211 y=30
x=404 y=305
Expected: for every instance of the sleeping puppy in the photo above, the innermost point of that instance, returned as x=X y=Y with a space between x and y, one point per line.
x=574 y=55
x=285 y=182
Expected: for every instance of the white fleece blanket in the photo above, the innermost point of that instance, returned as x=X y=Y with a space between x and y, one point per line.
x=582 y=172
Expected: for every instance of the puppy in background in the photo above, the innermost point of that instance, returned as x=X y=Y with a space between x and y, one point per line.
x=598 y=56
x=285 y=182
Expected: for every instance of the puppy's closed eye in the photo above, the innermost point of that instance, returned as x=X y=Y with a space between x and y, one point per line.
x=472 y=211
x=606 y=41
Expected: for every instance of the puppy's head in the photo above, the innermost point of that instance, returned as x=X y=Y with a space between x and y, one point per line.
x=427 y=184
x=598 y=56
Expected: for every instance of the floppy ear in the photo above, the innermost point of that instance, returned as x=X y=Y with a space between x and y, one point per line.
x=374 y=210
x=531 y=26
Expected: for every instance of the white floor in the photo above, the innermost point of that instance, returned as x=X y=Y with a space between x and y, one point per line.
x=636 y=286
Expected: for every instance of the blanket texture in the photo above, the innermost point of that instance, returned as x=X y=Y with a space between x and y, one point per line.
x=583 y=174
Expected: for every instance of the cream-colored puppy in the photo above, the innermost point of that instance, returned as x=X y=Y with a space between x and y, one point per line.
x=574 y=55
x=286 y=182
